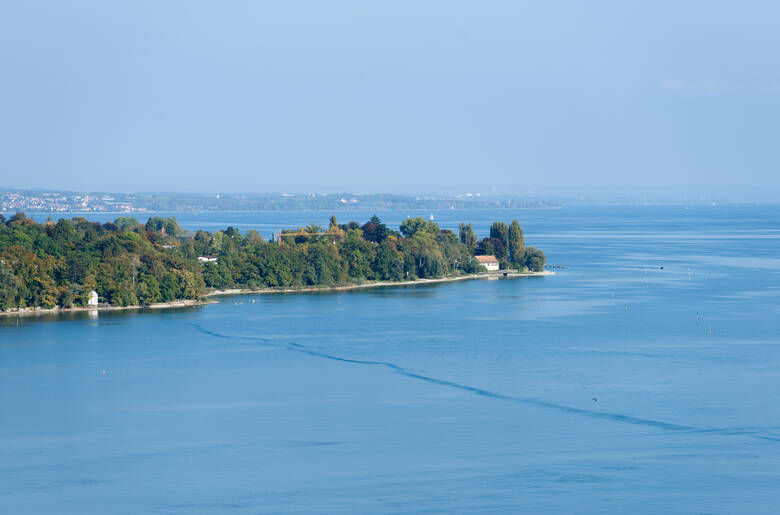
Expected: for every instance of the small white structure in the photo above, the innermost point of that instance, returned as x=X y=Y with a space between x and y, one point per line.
x=489 y=262
x=93 y=298
x=207 y=259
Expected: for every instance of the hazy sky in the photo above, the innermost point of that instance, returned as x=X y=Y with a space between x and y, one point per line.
x=394 y=96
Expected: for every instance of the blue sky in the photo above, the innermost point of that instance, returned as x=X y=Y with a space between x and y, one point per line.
x=388 y=96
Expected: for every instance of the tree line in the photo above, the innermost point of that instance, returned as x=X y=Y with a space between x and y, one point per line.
x=129 y=263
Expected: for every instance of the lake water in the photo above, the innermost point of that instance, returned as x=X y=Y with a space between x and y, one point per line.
x=616 y=386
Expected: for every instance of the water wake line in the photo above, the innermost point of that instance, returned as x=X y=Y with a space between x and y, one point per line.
x=615 y=417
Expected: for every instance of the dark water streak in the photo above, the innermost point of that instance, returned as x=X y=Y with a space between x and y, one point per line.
x=616 y=417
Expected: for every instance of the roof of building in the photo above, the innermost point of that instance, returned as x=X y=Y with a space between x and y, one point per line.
x=487 y=259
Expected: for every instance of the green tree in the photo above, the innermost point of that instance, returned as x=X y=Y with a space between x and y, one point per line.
x=126 y=223
x=168 y=226
x=20 y=220
x=323 y=264
x=233 y=233
x=148 y=289
x=516 y=243
x=473 y=266
x=11 y=289
x=455 y=254
x=427 y=255
x=412 y=226
x=253 y=239
x=357 y=254
x=534 y=259
x=388 y=263
x=468 y=237
x=374 y=230
x=65 y=232
x=500 y=231
x=491 y=247
x=217 y=239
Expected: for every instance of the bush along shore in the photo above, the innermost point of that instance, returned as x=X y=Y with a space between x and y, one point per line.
x=59 y=266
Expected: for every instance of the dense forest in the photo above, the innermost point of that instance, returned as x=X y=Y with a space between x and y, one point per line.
x=129 y=263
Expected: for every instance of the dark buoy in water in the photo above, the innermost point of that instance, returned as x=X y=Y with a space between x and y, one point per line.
x=595 y=399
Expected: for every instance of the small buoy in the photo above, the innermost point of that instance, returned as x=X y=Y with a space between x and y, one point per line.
x=595 y=399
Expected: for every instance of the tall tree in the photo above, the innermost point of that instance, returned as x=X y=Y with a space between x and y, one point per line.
x=516 y=243
x=468 y=237
x=374 y=230
x=11 y=290
x=500 y=231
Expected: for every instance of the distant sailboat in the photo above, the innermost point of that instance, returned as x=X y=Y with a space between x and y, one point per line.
x=431 y=217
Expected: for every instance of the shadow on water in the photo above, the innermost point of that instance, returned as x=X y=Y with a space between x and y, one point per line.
x=540 y=403
x=420 y=290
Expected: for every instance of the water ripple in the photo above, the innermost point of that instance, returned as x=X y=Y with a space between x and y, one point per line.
x=615 y=417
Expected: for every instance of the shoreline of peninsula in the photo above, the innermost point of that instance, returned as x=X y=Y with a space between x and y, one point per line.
x=376 y=284
x=203 y=301
x=24 y=312
x=77 y=265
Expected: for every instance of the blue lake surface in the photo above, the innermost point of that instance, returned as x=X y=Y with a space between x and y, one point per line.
x=615 y=386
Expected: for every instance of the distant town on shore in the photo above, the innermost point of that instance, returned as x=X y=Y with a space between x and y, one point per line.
x=41 y=201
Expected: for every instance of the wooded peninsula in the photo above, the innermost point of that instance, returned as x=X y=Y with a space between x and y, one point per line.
x=127 y=263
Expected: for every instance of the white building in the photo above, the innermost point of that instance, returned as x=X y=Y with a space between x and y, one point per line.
x=207 y=259
x=489 y=262
x=93 y=298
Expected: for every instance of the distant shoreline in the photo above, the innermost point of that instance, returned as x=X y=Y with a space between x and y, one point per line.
x=265 y=291
x=323 y=210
